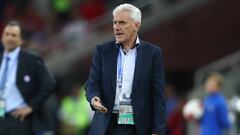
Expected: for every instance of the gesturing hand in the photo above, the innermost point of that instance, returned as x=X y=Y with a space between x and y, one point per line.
x=21 y=113
x=96 y=103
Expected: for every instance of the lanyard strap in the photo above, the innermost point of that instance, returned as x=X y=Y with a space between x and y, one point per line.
x=120 y=71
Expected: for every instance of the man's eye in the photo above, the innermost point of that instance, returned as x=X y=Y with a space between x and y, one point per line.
x=122 y=22
x=13 y=35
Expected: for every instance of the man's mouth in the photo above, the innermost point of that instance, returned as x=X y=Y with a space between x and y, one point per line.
x=119 y=34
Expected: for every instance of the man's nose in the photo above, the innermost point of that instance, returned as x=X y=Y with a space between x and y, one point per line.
x=116 y=26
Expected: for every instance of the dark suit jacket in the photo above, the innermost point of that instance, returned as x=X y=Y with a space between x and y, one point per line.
x=37 y=90
x=147 y=91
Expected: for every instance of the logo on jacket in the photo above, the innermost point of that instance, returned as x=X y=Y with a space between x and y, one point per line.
x=27 y=78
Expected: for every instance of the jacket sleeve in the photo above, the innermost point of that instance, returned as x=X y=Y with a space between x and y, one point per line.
x=222 y=113
x=93 y=85
x=45 y=84
x=158 y=125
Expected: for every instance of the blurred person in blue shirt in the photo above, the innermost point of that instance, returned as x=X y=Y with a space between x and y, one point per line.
x=215 y=118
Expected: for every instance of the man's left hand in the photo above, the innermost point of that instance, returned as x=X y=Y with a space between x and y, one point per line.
x=21 y=113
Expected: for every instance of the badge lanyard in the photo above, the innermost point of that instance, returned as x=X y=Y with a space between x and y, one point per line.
x=125 y=109
x=120 y=72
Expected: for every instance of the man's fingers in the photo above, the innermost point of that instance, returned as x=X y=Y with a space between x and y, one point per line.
x=100 y=107
x=22 y=117
x=98 y=104
x=16 y=114
x=103 y=110
x=19 y=114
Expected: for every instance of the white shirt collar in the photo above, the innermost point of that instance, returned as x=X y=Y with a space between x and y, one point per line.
x=137 y=43
x=13 y=54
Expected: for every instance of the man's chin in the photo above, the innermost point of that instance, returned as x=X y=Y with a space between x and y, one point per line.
x=9 y=49
x=119 y=40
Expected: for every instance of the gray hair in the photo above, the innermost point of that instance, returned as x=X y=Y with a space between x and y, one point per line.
x=135 y=12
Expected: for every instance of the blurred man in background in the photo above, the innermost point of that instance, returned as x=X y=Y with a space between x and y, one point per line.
x=215 y=117
x=126 y=82
x=25 y=84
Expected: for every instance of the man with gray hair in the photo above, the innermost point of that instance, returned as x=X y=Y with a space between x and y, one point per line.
x=126 y=81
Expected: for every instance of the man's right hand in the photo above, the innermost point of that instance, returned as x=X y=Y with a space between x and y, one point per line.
x=96 y=103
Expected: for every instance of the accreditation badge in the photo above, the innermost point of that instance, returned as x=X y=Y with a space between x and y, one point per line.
x=125 y=114
x=2 y=107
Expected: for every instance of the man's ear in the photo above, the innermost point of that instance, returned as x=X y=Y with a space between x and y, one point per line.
x=137 y=26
